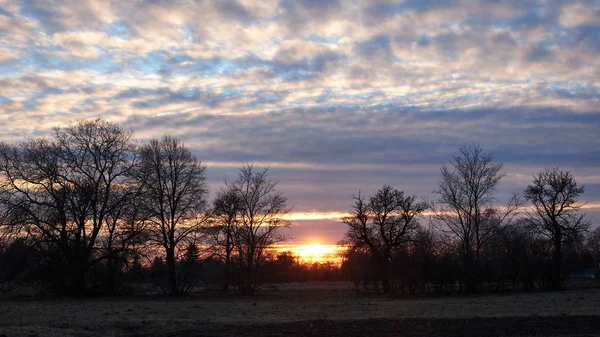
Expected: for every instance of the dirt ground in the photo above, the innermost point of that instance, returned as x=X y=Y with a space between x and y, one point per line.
x=308 y=310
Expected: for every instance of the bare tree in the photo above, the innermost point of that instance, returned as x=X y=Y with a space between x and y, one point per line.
x=125 y=234
x=466 y=192
x=260 y=222
x=554 y=195
x=383 y=223
x=60 y=191
x=175 y=192
x=227 y=207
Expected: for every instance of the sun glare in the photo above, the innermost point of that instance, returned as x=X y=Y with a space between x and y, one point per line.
x=317 y=253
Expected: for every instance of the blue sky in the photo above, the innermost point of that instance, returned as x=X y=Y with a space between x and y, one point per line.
x=333 y=96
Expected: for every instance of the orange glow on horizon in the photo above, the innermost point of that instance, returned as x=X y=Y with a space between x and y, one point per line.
x=315 y=252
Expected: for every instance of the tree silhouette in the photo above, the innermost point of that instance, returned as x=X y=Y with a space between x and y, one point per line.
x=382 y=224
x=466 y=192
x=126 y=232
x=227 y=208
x=260 y=222
x=554 y=195
x=60 y=191
x=174 y=196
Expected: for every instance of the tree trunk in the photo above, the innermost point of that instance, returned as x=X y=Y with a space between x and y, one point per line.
x=385 y=277
x=557 y=257
x=77 y=284
x=172 y=275
x=110 y=275
x=476 y=267
x=248 y=280
x=227 y=276
x=384 y=273
x=78 y=271
x=470 y=275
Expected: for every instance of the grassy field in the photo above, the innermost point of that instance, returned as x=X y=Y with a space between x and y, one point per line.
x=308 y=310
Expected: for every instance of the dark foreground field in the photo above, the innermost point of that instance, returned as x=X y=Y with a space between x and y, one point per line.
x=409 y=327
x=308 y=310
x=515 y=326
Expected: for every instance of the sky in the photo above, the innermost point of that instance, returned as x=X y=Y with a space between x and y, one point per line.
x=333 y=96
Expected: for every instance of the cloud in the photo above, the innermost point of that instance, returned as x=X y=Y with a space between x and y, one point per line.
x=580 y=14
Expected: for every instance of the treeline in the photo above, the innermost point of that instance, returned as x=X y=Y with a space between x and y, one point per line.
x=90 y=210
x=535 y=240
x=515 y=260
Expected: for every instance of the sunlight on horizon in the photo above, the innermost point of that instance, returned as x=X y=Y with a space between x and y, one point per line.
x=314 y=252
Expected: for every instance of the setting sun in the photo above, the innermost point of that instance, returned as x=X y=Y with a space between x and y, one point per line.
x=315 y=252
